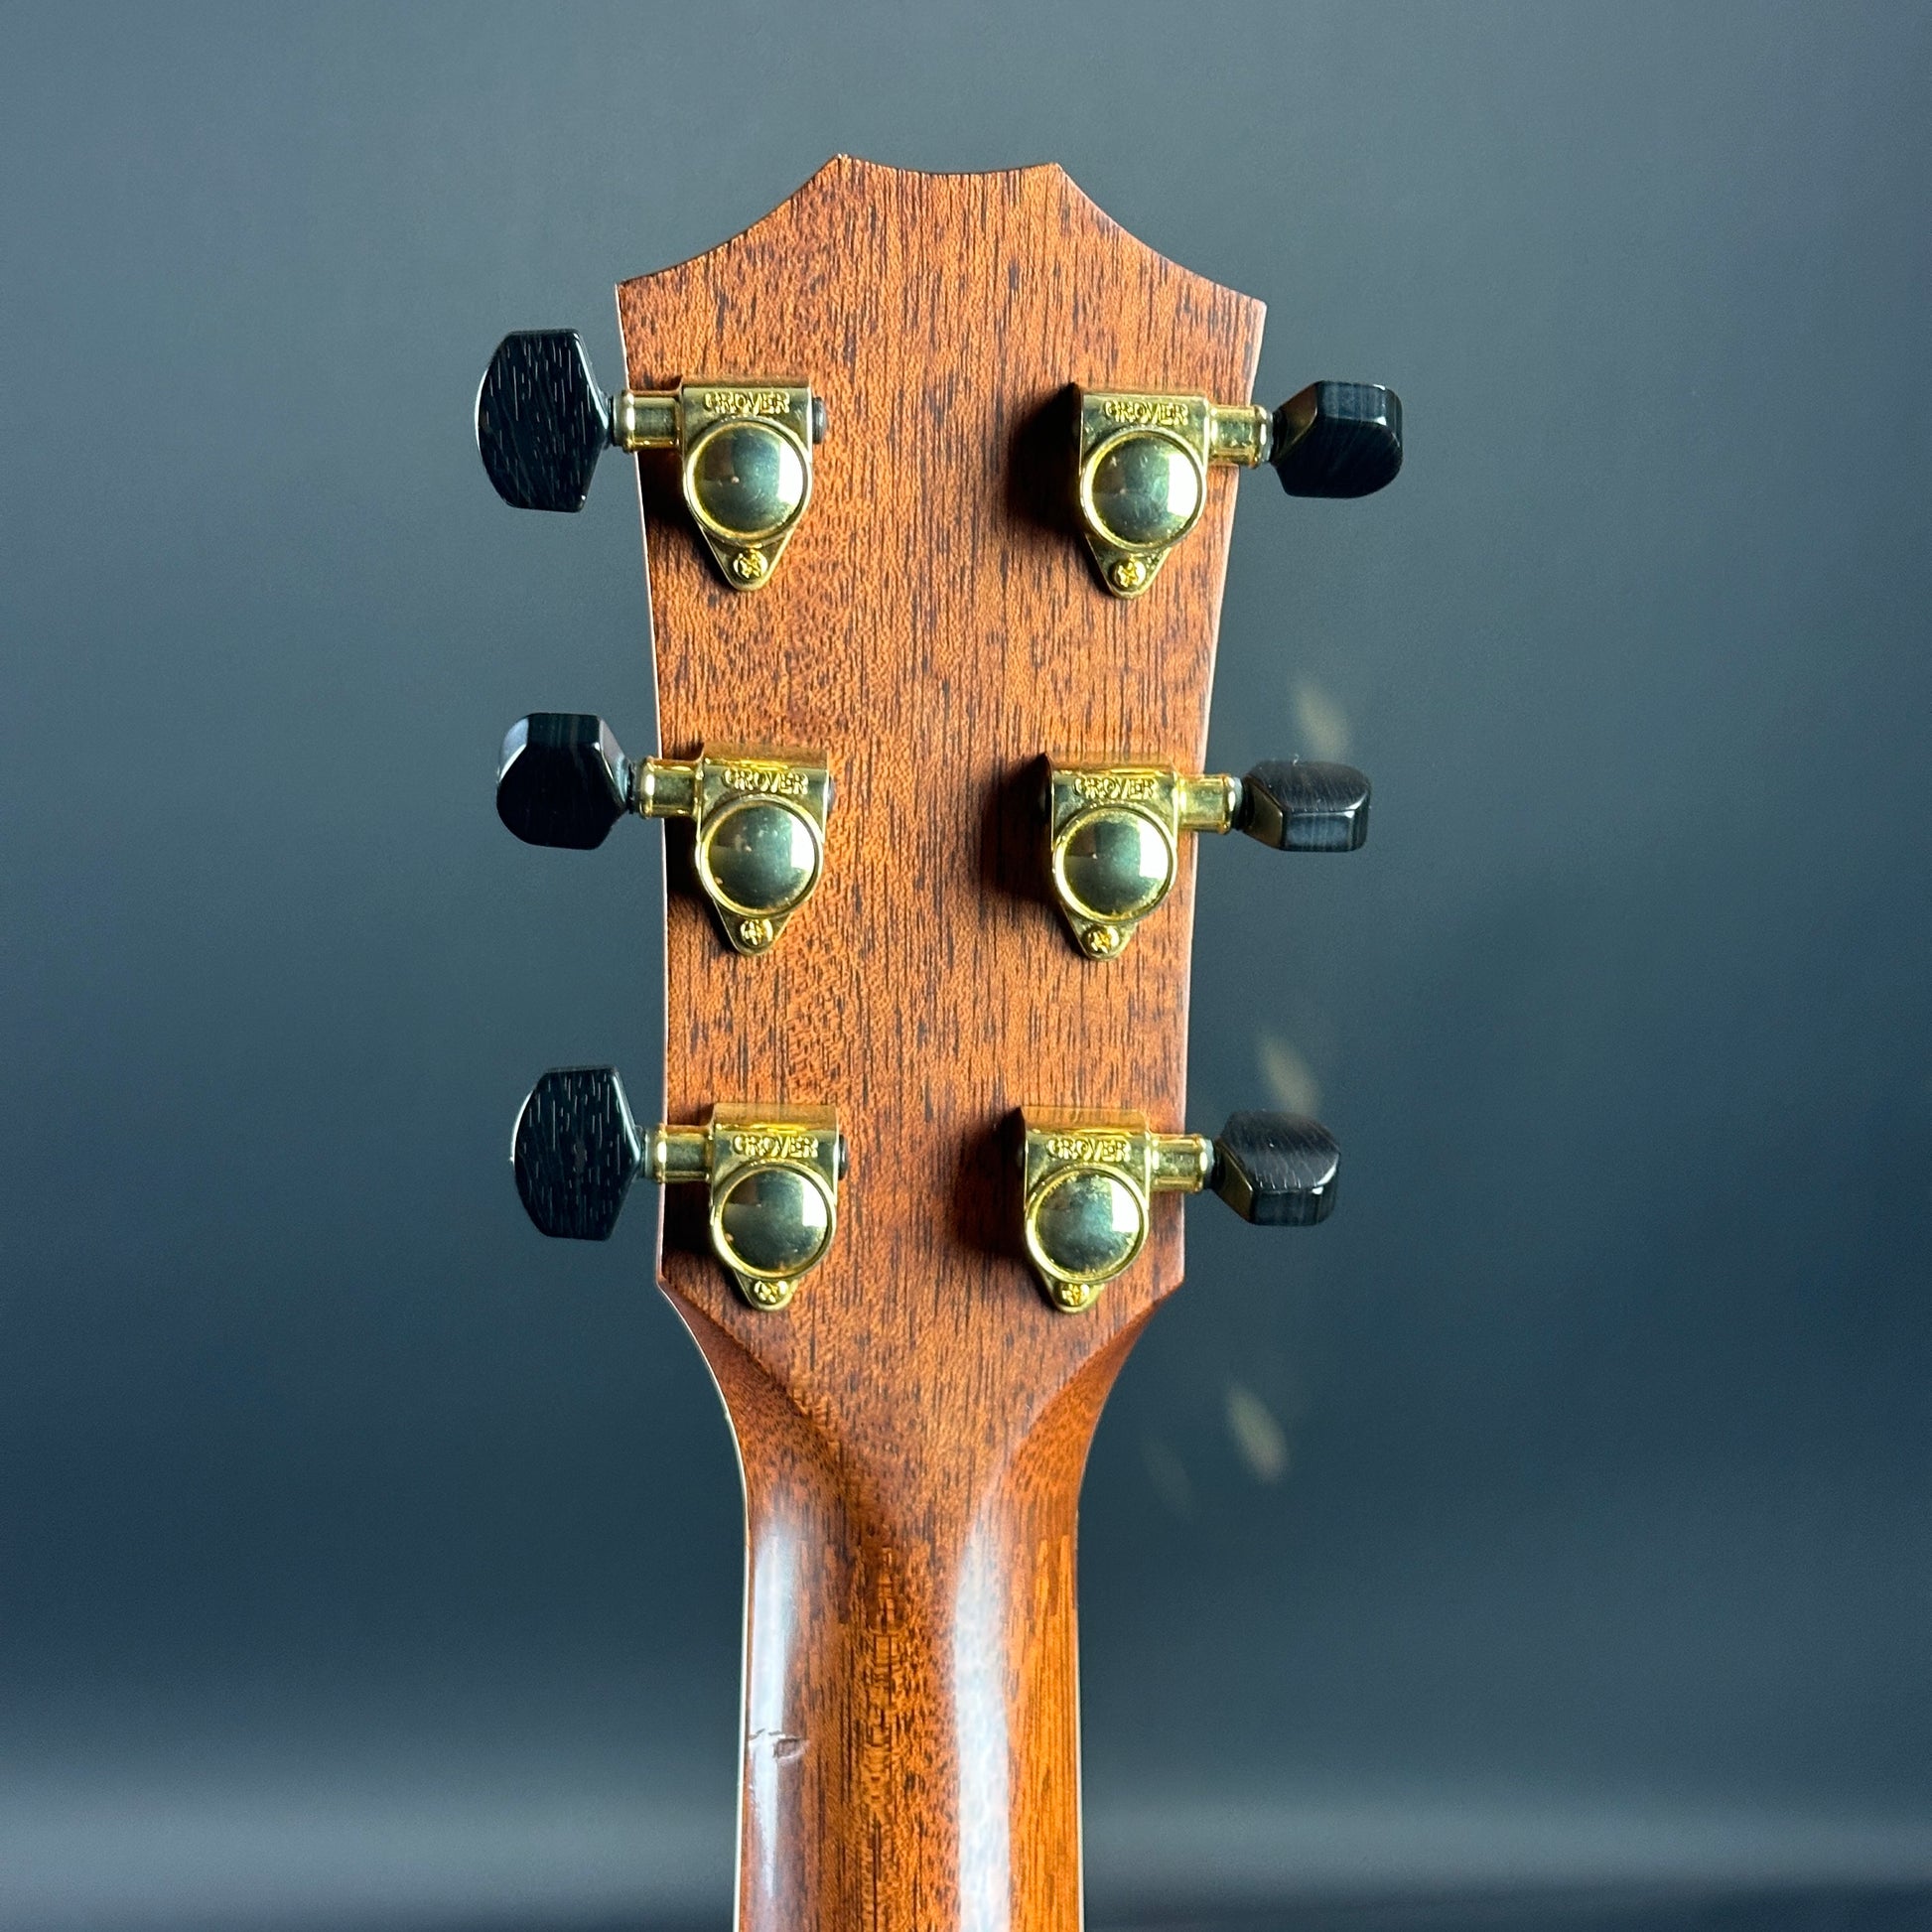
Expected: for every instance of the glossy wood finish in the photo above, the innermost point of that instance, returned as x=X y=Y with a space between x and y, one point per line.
x=914 y=1428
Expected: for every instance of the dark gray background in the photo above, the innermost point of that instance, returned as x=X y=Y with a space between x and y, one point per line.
x=1558 y=1513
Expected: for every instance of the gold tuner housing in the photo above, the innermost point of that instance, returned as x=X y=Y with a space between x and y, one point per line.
x=760 y=814
x=1087 y=1182
x=1141 y=473
x=773 y=1173
x=773 y=1176
x=746 y=455
x=1112 y=842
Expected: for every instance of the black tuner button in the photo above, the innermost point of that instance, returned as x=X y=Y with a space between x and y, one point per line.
x=1337 y=439
x=541 y=420
x=575 y=1153
x=1300 y=806
x=563 y=780
x=1276 y=1169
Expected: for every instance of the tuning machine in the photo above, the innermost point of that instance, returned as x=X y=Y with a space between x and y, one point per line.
x=773 y=1175
x=744 y=444
x=1113 y=832
x=1141 y=462
x=1088 y=1180
x=759 y=811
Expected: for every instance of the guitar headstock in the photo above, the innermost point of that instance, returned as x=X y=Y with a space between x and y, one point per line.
x=937 y=481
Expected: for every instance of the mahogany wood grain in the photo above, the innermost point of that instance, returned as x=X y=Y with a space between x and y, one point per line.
x=913 y=1428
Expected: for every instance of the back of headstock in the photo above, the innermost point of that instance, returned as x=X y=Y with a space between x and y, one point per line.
x=936 y=540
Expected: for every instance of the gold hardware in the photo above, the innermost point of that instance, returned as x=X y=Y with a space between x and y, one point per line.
x=760 y=814
x=1141 y=471
x=1113 y=838
x=746 y=461
x=774 y=1177
x=1087 y=1179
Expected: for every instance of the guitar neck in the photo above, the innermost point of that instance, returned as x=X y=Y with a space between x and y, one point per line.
x=911 y=1712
